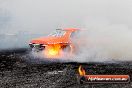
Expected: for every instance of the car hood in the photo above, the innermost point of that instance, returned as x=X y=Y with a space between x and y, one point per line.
x=50 y=40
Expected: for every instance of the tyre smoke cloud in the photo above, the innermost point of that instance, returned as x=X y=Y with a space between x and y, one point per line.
x=108 y=23
x=103 y=41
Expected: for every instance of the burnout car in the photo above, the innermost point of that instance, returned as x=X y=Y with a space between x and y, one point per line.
x=56 y=43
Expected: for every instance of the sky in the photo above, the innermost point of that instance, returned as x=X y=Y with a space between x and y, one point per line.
x=36 y=16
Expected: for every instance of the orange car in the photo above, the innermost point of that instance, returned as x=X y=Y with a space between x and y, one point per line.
x=56 y=43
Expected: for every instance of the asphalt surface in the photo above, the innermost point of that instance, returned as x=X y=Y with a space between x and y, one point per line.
x=18 y=71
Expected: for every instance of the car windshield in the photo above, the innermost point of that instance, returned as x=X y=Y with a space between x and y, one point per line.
x=58 y=33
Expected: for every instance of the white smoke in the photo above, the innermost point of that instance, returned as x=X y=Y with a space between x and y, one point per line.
x=103 y=41
x=108 y=24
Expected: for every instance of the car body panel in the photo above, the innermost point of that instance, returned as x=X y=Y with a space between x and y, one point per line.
x=55 y=39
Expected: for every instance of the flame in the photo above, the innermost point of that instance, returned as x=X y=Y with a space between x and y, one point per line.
x=81 y=71
x=52 y=51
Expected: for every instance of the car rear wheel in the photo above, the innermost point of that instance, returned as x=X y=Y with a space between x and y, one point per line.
x=68 y=49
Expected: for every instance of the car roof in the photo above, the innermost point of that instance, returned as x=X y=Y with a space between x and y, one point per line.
x=71 y=29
